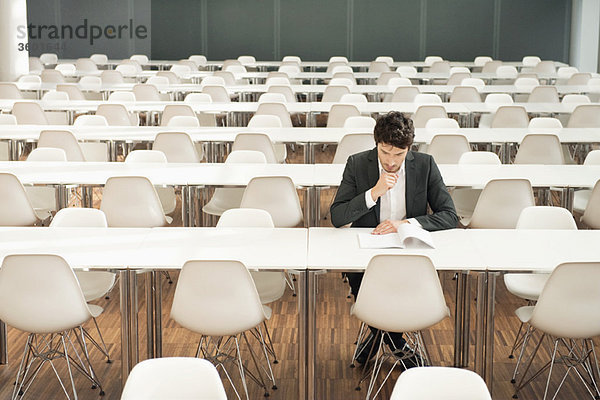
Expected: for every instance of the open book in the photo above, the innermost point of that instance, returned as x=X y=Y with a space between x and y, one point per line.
x=409 y=236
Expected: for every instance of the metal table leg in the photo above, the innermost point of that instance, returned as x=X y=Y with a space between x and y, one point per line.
x=480 y=323
x=458 y=321
x=150 y=278
x=489 y=342
x=125 y=353
x=311 y=334
x=302 y=297
x=3 y=348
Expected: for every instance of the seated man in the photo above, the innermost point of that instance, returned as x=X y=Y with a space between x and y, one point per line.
x=388 y=186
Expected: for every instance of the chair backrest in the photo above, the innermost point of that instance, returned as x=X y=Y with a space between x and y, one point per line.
x=216 y=298
x=342 y=80
x=544 y=217
x=290 y=70
x=111 y=77
x=146 y=92
x=291 y=58
x=386 y=59
x=72 y=90
x=272 y=98
x=351 y=144
x=132 y=202
x=35 y=65
x=172 y=110
x=116 y=115
x=227 y=76
x=405 y=94
x=197 y=98
x=264 y=121
x=146 y=156
x=395 y=82
x=256 y=142
x=174 y=377
x=545 y=123
x=99 y=58
x=506 y=72
x=379 y=66
x=236 y=69
x=540 y=149
x=62 y=140
x=188 y=63
x=479 y=157
x=480 y=61
x=176 y=146
x=526 y=83
x=53 y=95
x=85 y=64
x=569 y=302
x=429 y=60
x=545 y=67
x=286 y=91
x=427 y=98
x=498 y=98
x=332 y=65
x=277 y=80
x=510 y=117
x=212 y=80
x=425 y=113
x=384 y=77
x=585 y=116
x=277 y=195
x=8 y=119
x=31 y=79
x=245 y=217
x=246 y=157
x=360 y=124
x=79 y=218
x=447 y=149
x=140 y=58
x=338 y=114
x=217 y=93
x=406 y=71
x=474 y=82
x=400 y=293
x=354 y=98
x=592 y=158
x=544 y=94
x=29 y=113
x=456 y=78
x=180 y=69
x=501 y=203
x=580 y=78
x=47 y=154
x=591 y=215
x=9 y=90
x=576 y=99
x=440 y=67
x=52 y=76
x=90 y=120
x=199 y=60
x=530 y=61
x=66 y=68
x=172 y=78
x=440 y=383
x=39 y=293
x=442 y=123
x=15 y=208
x=277 y=109
x=159 y=82
x=491 y=67
x=333 y=93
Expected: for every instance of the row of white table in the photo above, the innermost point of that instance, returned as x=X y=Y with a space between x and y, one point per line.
x=482 y=253
x=196 y=180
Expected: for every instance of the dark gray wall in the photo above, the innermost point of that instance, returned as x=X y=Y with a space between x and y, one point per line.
x=358 y=29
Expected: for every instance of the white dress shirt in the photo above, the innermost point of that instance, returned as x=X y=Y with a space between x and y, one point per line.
x=393 y=202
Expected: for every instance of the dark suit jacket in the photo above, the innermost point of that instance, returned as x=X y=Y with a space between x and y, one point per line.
x=424 y=185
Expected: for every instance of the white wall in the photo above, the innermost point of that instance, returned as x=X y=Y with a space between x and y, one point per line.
x=585 y=35
x=13 y=62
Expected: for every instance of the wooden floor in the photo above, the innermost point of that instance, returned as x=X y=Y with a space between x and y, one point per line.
x=336 y=335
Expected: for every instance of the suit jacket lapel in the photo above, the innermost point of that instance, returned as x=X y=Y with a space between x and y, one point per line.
x=411 y=182
x=373 y=175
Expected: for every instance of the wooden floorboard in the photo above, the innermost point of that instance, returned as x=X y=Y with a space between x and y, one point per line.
x=336 y=334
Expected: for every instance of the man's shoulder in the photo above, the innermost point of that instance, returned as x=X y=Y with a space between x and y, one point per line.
x=360 y=158
x=421 y=158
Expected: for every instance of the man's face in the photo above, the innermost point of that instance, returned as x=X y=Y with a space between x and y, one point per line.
x=390 y=157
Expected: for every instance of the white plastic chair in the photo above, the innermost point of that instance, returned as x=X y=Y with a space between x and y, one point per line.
x=545 y=67
x=43 y=199
x=291 y=58
x=63 y=140
x=440 y=67
x=581 y=197
x=29 y=113
x=333 y=93
x=447 y=149
x=480 y=61
x=491 y=67
x=174 y=377
x=85 y=65
x=398 y=293
x=277 y=195
x=256 y=142
x=15 y=207
x=474 y=82
x=585 y=116
x=405 y=94
x=456 y=78
x=53 y=95
x=90 y=120
x=425 y=113
x=224 y=199
x=99 y=58
x=140 y=58
x=35 y=65
x=117 y=115
x=9 y=90
x=540 y=149
x=530 y=61
x=173 y=110
x=440 y=383
x=506 y=72
x=429 y=60
x=351 y=144
x=543 y=94
x=500 y=204
x=52 y=76
x=379 y=66
x=66 y=68
x=576 y=99
x=545 y=123
x=580 y=78
x=442 y=123
x=112 y=77
x=199 y=60
x=39 y=294
x=566 y=313
x=72 y=90
x=406 y=71
x=591 y=215
x=146 y=92
x=132 y=202
x=277 y=109
x=219 y=299
x=177 y=147
x=270 y=121
x=360 y=124
x=197 y=98
x=338 y=113
x=427 y=98
x=8 y=119
x=272 y=98
x=384 y=77
x=510 y=117
x=217 y=93
x=386 y=59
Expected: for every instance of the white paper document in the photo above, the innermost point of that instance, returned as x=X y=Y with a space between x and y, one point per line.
x=409 y=236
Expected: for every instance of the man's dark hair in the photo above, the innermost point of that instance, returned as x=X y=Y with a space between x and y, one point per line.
x=396 y=129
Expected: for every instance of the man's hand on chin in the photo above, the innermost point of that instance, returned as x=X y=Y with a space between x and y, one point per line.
x=388 y=226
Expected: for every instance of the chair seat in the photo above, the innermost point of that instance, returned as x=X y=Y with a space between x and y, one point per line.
x=524 y=313
x=223 y=199
x=581 y=199
x=268 y=311
x=526 y=286
x=269 y=285
x=280 y=152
